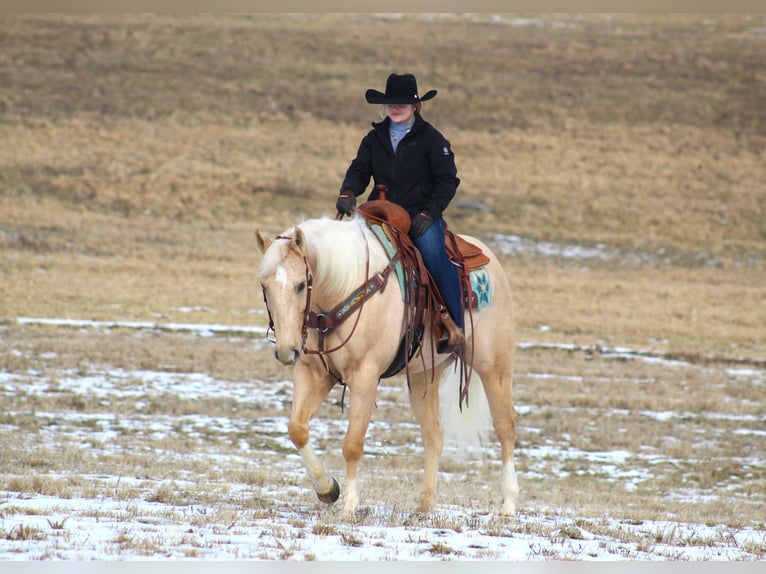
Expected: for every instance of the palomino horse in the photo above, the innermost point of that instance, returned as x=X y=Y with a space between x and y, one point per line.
x=317 y=264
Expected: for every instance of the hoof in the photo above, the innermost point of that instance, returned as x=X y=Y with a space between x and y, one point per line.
x=332 y=495
x=508 y=509
x=427 y=503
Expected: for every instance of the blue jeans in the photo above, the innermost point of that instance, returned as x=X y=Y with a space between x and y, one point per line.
x=434 y=252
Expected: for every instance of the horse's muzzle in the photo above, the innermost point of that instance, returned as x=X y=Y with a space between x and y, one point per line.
x=288 y=356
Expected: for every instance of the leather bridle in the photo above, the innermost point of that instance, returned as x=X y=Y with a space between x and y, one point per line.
x=326 y=322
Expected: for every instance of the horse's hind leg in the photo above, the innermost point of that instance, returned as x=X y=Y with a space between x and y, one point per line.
x=497 y=386
x=424 y=400
x=310 y=389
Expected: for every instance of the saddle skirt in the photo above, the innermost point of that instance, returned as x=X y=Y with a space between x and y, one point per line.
x=471 y=263
x=460 y=249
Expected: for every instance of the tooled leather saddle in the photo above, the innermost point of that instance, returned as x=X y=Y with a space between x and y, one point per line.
x=420 y=292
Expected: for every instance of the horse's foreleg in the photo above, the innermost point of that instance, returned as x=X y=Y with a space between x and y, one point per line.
x=363 y=391
x=326 y=486
x=424 y=400
x=310 y=389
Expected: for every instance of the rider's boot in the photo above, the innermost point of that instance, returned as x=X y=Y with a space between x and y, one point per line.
x=450 y=336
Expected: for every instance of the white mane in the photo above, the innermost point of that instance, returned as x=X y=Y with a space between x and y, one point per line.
x=337 y=254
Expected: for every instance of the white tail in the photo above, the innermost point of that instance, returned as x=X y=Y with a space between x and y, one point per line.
x=465 y=430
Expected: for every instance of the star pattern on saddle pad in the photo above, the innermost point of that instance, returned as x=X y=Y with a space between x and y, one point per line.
x=481 y=286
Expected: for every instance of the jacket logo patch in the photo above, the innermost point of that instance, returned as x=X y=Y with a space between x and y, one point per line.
x=446 y=151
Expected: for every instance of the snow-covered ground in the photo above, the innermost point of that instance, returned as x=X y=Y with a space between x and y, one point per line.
x=74 y=529
x=84 y=523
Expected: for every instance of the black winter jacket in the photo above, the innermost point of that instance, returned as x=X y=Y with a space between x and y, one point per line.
x=421 y=176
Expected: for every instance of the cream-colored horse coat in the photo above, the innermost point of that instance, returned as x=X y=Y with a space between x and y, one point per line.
x=336 y=254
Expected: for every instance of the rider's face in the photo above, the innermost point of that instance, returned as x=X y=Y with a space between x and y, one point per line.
x=400 y=113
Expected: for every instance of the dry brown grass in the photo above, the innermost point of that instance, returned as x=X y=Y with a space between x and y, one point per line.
x=147 y=148
x=140 y=152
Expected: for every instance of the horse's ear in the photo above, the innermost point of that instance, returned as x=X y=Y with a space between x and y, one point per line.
x=299 y=241
x=262 y=241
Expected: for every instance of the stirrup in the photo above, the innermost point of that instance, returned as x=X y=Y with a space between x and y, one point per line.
x=444 y=347
x=455 y=336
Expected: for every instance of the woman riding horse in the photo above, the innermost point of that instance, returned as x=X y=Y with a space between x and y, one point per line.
x=415 y=164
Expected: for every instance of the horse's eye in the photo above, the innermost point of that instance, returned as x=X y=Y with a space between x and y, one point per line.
x=301 y=286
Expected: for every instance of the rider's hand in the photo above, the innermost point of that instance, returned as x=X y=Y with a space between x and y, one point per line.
x=420 y=224
x=346 y=202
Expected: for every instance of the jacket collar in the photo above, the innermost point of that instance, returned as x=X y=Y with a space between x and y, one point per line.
x=382 y=128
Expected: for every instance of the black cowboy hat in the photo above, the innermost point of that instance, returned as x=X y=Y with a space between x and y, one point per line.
x=400 y=89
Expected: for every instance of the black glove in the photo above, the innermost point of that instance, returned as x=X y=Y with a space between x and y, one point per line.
x=420 y=224
x=346 y=202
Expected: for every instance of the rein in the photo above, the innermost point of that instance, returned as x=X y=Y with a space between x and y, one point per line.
x=323 y=326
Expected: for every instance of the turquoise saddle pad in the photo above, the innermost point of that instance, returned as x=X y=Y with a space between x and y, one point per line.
x=481 y=285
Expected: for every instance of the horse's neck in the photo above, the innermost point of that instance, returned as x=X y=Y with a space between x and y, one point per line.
x=372 y=262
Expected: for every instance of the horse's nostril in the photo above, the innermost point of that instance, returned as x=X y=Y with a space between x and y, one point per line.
x=287 y=356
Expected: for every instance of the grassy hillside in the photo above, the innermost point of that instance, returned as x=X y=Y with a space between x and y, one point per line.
x=140 y=151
